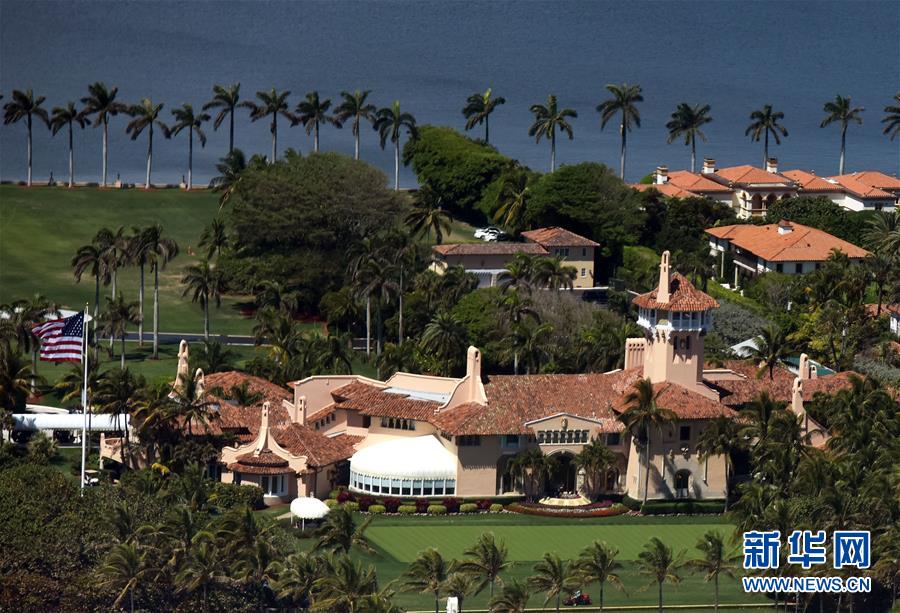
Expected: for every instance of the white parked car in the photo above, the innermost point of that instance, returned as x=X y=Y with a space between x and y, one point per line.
x=489 y=234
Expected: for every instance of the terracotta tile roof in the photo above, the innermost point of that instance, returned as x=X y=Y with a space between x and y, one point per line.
x=226 y=380
x=738 y=392
x=319 y=449
x=751 y=175
x=558 y=237
x=893 y=308
x=374 y=401
x=266 y=457
x=493 y=248
x=257 y=470
x=852 y=184
x=683 y=296
x=686 y=404
x=802 y=244
x=810 y=182
x=873 y=178
x=695 y=182
x=666 y=189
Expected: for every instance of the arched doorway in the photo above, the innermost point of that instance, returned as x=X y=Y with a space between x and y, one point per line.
x=563 y=474
x=682 y=484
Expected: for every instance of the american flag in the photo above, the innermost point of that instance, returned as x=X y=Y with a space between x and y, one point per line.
x=61 y=339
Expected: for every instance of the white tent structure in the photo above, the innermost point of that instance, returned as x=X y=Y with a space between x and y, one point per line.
x=419 y=466
x=307 y=507
x=100 y=422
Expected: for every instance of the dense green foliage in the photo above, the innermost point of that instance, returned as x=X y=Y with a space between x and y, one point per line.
x=294 y=220
x=820 y=212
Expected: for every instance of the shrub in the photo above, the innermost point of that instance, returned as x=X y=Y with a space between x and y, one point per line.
x=392 y=504
x=365 y=502
x=484 y=505
x=351 y=505
x=377 y=509
x=567 y=512
x=452 y=504
x=496 y=508
x=230 y=496
x=344 y=495
x=406 y=509
x=735 y=324
x=41 y=448
x=668 y=507
x=422 y=505
x=331 y=503
x=631 y=503
x=467 y=508
x=437 y=509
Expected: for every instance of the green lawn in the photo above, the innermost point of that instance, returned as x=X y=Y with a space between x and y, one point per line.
x=42 y=227
x=399 y=539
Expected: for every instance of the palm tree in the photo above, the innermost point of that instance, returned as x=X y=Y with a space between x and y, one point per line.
x=597 y=564
x=214 y=238
x=771 y=346
x=113 y=248
x=457 y=585
x=446 y=338
x=296 y=577
x=486 y=559
x=721 y=437
x=686 y=121
x=339 y=533
x=272 y=103
x=547 y=120
x=594 y=459
x=201 y=570
x=192 y=404
x=512 y=201
x=551 y=273
x=532 y=467
x=659 y=562
x=390 y=122
x=513 y=598
x=519 y=273
x=65 y=116
x=101 y=101
x=354 y=105
x=311 y=112
x=230 y=169
x=160 y=251
x=22 y=317
x=478 y=110
x=344 y=584
x=16 y=376
x=841 y=111
x=892 y=117
x=427 y=215
x=528 y=343
x=553 y=576
x=624 y=100
x=716 y=560
x=24 y=105
x=763 y=123
x=643 y=415
x=186 y=118
x=124 y=569
x=146 y=115
x=90 y=258
x=426 y=574
x=204 y=284
x=138 y=253
x=119 y=314
x=883 y=232
x=226 y=99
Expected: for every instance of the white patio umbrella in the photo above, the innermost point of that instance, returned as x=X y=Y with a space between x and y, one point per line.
x=308 y=507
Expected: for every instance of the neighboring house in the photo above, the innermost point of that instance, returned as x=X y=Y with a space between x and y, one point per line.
x=488 y=260
x=424 y=436
x=787 y=247
x=750 y=190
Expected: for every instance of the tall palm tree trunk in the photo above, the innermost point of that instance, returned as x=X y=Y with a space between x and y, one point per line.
x=141 y=308
x=105 y=164
x=155 y=311
x=368 y=325
x=316 y=138
x=601 y=597
x=622 y=154
x=356 y=134
x=149 y=157
x=716 y=609
x=122 y=365
x=693 y=154
x=274 y=137
x=397 y=165
x=660 y=597
x=206 y=319
x=29 y=150
x=552 y=149
x=766 y=149
x=840 y=171
x=647 y=470
x=487 y=129
x=190 y=158
x=231 y=131
x=71 y=158
x=400 y=308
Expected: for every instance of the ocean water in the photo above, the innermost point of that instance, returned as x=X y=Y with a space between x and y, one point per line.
x=735 y=56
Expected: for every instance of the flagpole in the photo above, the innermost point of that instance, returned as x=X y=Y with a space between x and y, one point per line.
x=84 y=402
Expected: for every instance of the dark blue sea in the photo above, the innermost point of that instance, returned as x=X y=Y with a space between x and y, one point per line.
x=735 y=56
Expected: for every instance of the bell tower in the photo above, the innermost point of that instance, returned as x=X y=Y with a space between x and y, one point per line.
x=675 y=317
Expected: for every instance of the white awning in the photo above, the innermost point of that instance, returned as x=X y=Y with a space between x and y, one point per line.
x=70 y=421
x=422 y=457
x=309 y=508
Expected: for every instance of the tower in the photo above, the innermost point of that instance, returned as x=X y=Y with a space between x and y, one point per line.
x=675 y=317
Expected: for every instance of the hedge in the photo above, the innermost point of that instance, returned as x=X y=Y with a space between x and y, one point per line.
x=377 y=509
x=406 y=509
x=468 y=508
x=671 y=507
x=570 y=512
x=496 y=508
x=351 y=506
x=230 y=496
x=437 y=509
x=331 y=503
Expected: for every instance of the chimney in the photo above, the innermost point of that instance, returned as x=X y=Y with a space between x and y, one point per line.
x=797 y=402
x=473 y=374
x=785 y=227
x=709 y=166
x=805 y=369
x=262 y=439
x=662 y=290
x=297 y=408
x=772 y=165
x=662 y=175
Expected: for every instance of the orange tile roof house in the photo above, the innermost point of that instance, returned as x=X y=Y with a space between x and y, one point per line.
x=421 y=436
x=489 y=259
x=786 y=247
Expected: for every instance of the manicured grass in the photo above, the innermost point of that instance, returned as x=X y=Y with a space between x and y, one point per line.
x=399 y=539
x=460 y=232
x=42 y=227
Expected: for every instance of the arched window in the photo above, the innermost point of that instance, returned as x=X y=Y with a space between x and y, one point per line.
x=682 y=484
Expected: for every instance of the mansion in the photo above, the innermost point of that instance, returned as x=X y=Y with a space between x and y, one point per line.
x=418 y=436
x=750 y=190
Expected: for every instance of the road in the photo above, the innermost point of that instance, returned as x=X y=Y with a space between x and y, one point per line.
x=173 y=338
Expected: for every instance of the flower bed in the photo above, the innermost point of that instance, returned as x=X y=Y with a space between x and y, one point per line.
x=597 y=509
